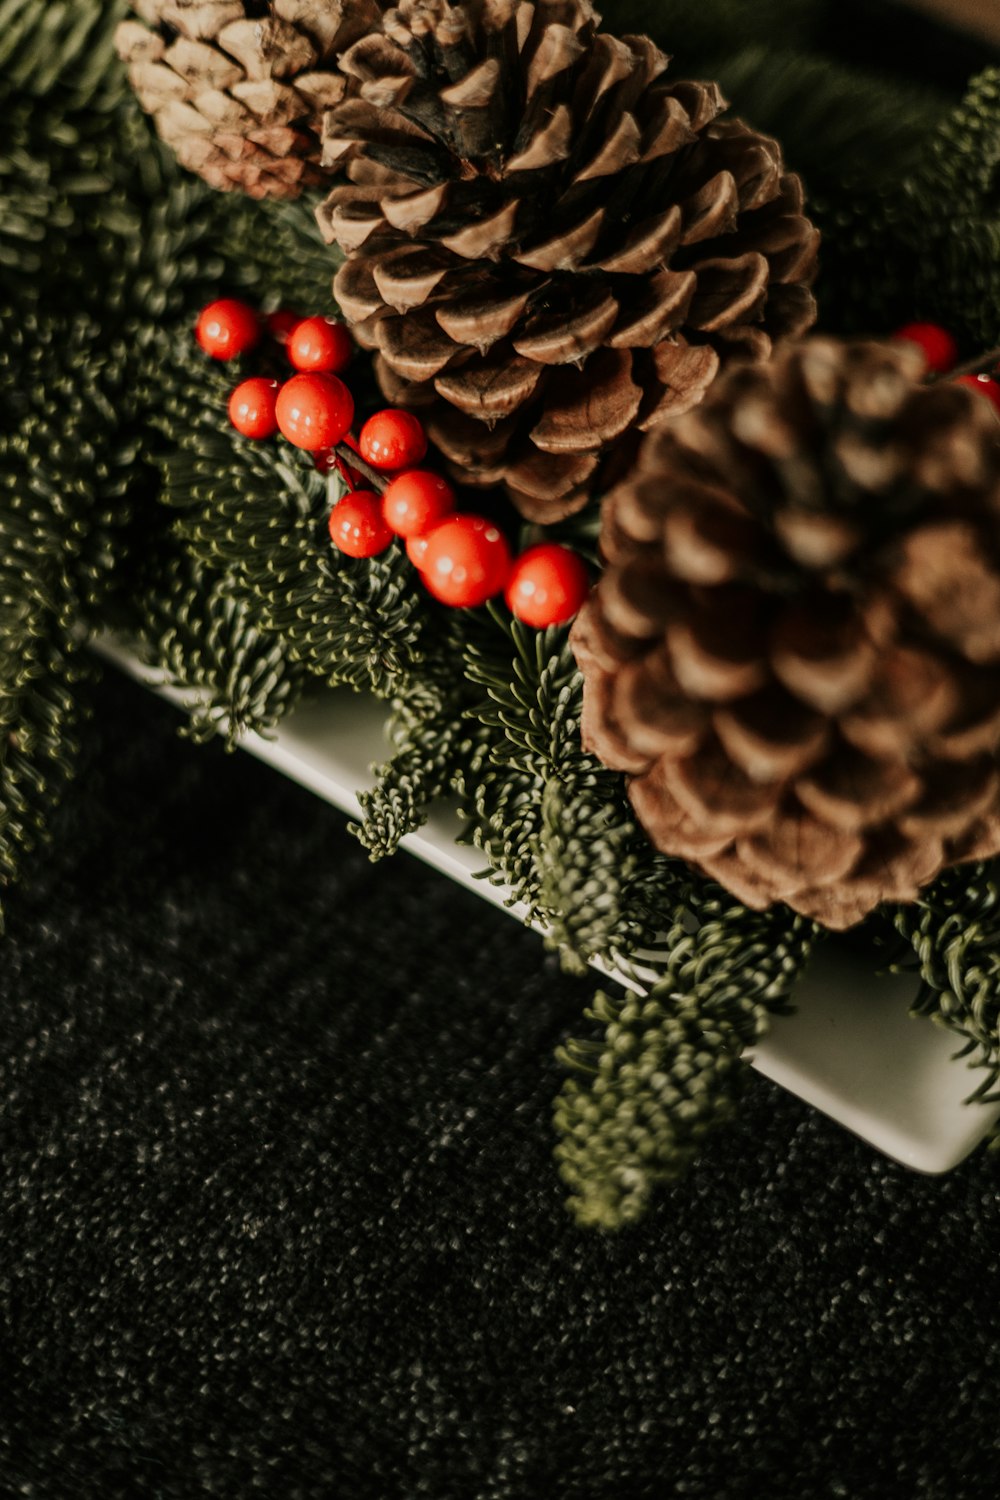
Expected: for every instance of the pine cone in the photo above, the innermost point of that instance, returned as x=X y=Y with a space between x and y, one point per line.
x=794 y=649
x=549 y=244
x=238 y=90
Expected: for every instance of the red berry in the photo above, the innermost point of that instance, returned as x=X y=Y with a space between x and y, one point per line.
x=940 y=348
x=416 y=548
x=314 y=411
x=282 y=324
x=320 y=344
x=392 y=439
x=357 y=525
x=251 y=407
x=415 y=500
x=983 y=385
x=547 y=585
x=466 y=561
x=325 y=460
x=227 y=328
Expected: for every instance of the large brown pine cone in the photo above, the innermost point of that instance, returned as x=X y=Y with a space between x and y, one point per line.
x=794 y=649
x=238 y=90
x=549 y=243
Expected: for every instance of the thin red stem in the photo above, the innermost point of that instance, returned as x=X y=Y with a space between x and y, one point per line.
x=983 y=364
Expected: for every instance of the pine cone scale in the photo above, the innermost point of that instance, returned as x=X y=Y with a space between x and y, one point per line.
x=597 y=205
x=239 y=95
x=830 y=619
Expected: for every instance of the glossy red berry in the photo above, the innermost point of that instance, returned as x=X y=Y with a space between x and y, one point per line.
x=252 y=407
x=547 y=585
x=320 y=344
x=466 y=561
x=416 y=550
x=940 y=348
x=416 y=500
x=392 y=439
x=357 y=525
x=314 y=411
x=984 y=386
x=282 y=324
x=227 y=328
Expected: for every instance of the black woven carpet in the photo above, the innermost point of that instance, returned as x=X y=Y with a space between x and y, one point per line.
x=279 y=1214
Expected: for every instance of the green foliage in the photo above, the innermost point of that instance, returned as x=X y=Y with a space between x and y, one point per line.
x=43 y=707
x=430 y=741
x=70 y=466
x=954 y=932
x=553 y=822
x=667 y=1070
x=197 y=630
x=65 y=44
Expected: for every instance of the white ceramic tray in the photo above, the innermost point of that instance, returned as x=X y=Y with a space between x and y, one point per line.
x=851 y=1049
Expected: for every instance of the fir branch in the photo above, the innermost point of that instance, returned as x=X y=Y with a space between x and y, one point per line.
x=965 y=150
x=72 y=476
x=954 y=934
x=197 y=630
x=42 y=712
x=428 y=744
x=668 y=1071
x=65 y=44
x=554 y=823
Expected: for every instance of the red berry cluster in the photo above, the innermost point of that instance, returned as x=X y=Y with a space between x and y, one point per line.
x=940 y=352
x=463 y=559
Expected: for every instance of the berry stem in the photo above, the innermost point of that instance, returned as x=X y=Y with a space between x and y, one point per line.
x=344 y=471
x=983 y=364
x=379 y=482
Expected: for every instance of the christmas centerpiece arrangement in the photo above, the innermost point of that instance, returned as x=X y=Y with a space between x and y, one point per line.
x=480 y=356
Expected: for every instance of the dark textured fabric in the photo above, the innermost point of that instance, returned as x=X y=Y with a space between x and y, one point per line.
x=279 y=1214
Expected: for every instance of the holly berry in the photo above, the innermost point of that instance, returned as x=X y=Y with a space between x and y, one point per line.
x=314 y=411
x=940 y=348
x=357 y=525
x=252 y=407
x=547 y=585
x=320 y=344
x=392 y=439
x=416 y=550
x=282 y=324
x=466 y=561
x=227 y=328
x=983 y=385
x=415 y=500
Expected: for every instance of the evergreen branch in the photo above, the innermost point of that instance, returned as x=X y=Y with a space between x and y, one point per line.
x=42 y=712
x=428 y=744
x=66 y=44
x=961 y=166
x=954 y=933
x=553 y=822
x=201 y=634
x=668 y=1070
